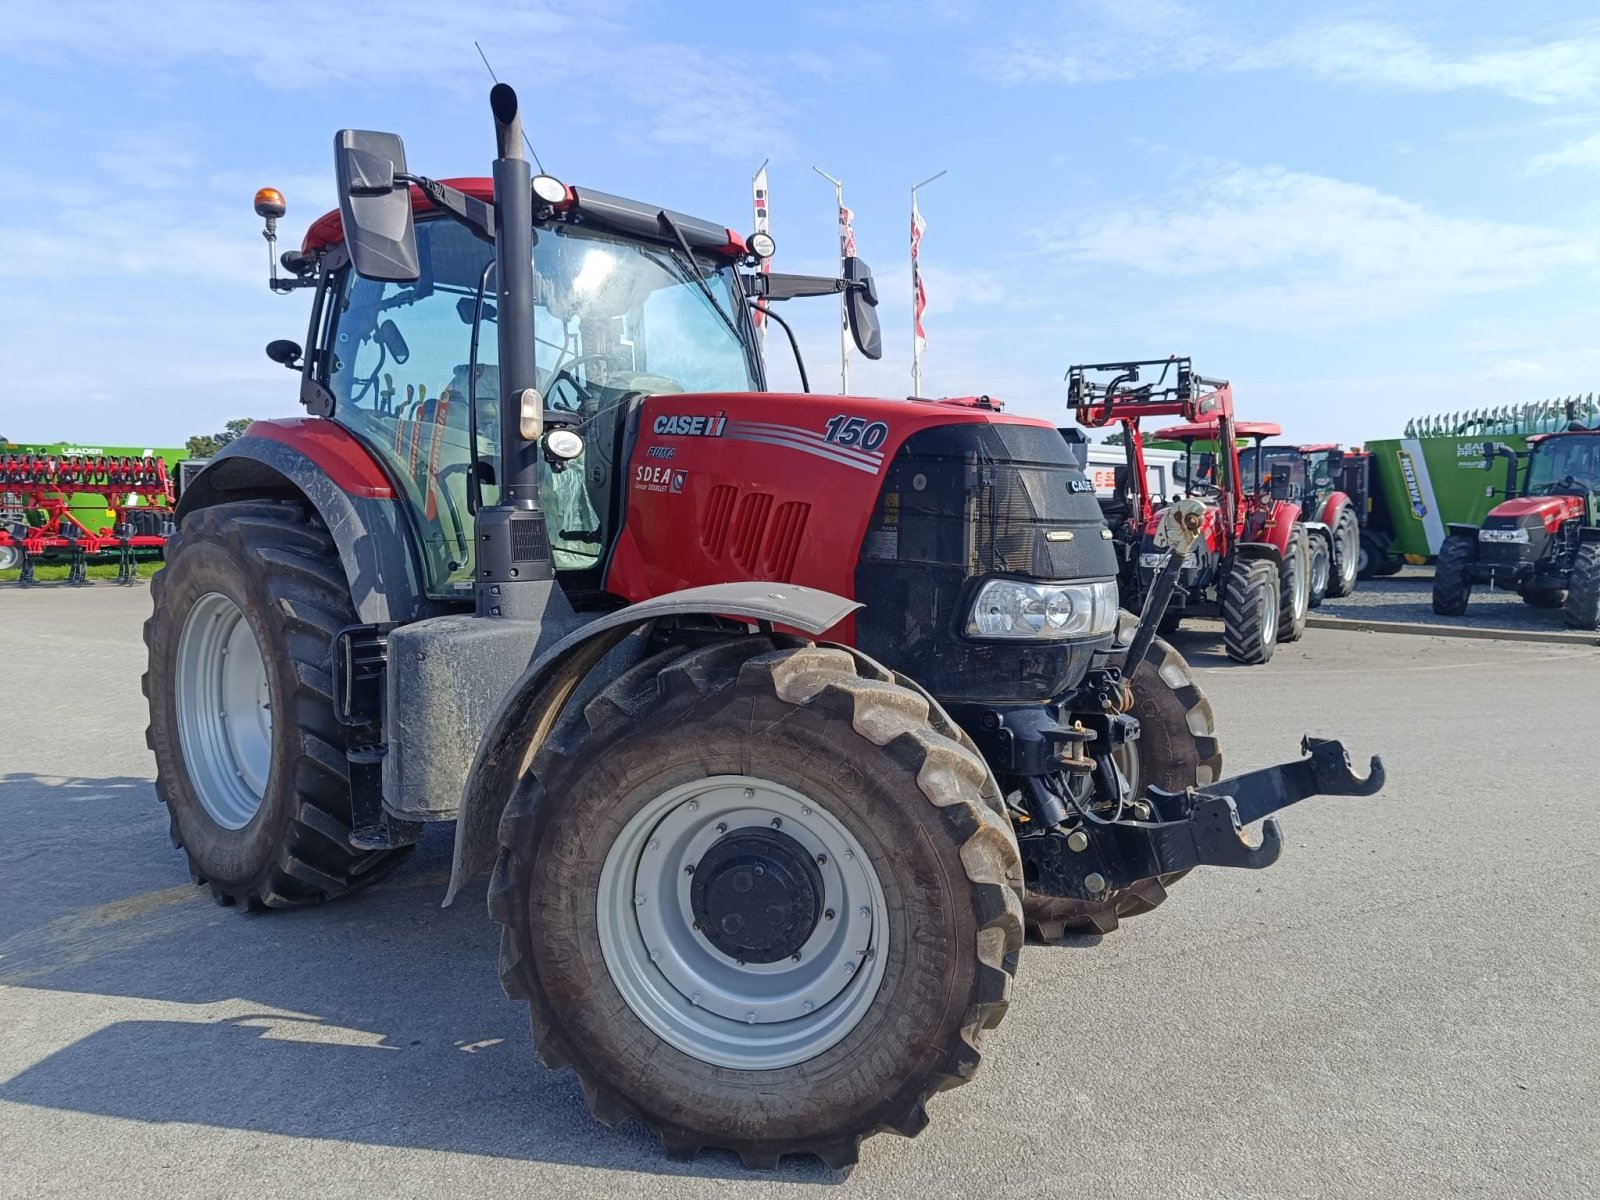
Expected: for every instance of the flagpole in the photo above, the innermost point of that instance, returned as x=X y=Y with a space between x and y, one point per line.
x=844 y=313
x=761 y=202
x=916 y=290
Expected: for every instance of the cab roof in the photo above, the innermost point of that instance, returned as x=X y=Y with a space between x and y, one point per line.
x=1204 y=430
x=599 y=208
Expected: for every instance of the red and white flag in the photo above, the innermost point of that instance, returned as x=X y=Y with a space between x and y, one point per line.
x=847 y=233
x=763 y=224
x=919 y=292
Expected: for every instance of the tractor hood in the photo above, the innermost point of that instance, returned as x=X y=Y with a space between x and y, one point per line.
x=1548 y=511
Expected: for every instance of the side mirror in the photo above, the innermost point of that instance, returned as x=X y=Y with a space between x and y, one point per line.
x=388 y=336
x=375 y=205
x=861 y=308
x=285 y=353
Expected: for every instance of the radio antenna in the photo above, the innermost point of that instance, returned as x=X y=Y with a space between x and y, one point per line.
x=496 y=78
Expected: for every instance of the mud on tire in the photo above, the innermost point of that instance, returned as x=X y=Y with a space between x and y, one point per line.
x=277 y=564
x=832 y=727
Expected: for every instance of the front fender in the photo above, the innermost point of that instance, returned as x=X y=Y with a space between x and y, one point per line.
x=536 y=701
x=1334 y=506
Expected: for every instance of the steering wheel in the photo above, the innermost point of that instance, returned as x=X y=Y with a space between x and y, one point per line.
x=1199 y=487
x=568 y=372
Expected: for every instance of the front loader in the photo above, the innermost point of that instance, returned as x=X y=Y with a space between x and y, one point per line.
x=774 y=718
x=1250 y=564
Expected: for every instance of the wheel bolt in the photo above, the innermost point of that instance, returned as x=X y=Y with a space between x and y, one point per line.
x=822 y=860
x=795 y=957
x=804 y=811
x=689 y=870
x=865 y=911
x=694 y=806
x=850 y=968
x=749 y=793
x=750 y=1018
x=695 y=999
x=777 y=822
x=652 y=844
x=722 y=827
x=828 y=916
x=807 y=1006
x=639 y=899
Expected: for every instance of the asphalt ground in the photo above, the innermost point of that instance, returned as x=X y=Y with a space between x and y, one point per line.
x=1408 y=596
x=1407 y=1005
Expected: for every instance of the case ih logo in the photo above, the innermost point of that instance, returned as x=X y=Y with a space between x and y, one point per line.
x=690 y=426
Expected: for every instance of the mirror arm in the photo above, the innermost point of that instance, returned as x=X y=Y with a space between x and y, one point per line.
x=477 y=215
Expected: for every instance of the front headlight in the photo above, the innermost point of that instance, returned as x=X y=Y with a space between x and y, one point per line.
x=1012 y=608
x=1519 y=536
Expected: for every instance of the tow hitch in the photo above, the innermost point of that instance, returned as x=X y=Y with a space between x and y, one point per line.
x=1195 y=828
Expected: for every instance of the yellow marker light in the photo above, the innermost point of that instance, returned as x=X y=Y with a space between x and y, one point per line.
x=270 y=203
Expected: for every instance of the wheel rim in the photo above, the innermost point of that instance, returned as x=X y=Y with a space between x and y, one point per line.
x=1319 y=572
x=10 y=556
x=1302 y=589
x=694 y=994
x=1269 y=621
x=224 y=709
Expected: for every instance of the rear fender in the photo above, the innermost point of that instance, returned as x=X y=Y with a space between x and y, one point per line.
x=329 y=470
x=1262 y=550
x=1333 y=506
x=1589 y=533
x=535 y=703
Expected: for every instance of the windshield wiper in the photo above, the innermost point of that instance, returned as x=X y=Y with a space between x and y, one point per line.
x=687 y=264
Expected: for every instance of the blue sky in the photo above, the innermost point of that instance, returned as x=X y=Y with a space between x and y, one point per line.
x=1356 y=212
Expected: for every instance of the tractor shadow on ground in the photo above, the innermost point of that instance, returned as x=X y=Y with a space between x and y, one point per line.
x=1201 y=644
x=376 y=1020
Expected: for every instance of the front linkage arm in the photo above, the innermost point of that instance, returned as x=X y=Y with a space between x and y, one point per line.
x=1201 y=827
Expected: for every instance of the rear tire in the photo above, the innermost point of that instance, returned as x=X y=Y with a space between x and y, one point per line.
x=1372 y=560
x=10 y=557
x=1451 y=585
x=1583 y=588
x=261 y=806
x=1294 y=586
x=868 y=758
x=1250 y=610
x=1177 y=749
x=1346 y=550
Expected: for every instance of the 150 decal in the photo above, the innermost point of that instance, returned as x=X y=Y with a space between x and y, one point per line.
x=845 y=430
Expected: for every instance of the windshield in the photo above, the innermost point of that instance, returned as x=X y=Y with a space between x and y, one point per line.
x=1557 y=459
x=614 y=319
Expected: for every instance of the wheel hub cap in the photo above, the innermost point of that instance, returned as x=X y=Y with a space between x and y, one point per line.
x=757 y=895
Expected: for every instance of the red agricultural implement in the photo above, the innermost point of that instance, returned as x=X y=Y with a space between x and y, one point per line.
x=1251 y=563
x=39 y=520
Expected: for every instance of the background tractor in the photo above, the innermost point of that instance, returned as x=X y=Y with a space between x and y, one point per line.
x=773 y=716
x=1543 y=542
x=1314 y=477
x=1251 y=565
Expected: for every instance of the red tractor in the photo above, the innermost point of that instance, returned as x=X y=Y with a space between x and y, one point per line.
x=1251 y=566
x=1312 y=475
x=774 y=717
x=1543 y=542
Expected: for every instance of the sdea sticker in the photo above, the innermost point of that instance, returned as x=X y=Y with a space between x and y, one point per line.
x=1408 y=472
x=686 y=425
x=663 y=480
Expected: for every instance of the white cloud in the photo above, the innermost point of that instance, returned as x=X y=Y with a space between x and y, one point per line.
x=1585 y=152
x=1273 y=249
x=1139 y=38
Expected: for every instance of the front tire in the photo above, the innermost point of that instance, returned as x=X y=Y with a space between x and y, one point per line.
x=250 y=759
x=1177 y=748
x=1294 y=586
x=1321 y=568
x=1250 y=606
x=1347 y=553
x=1452 y=585
x=1583 y=589
x=752 y=739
